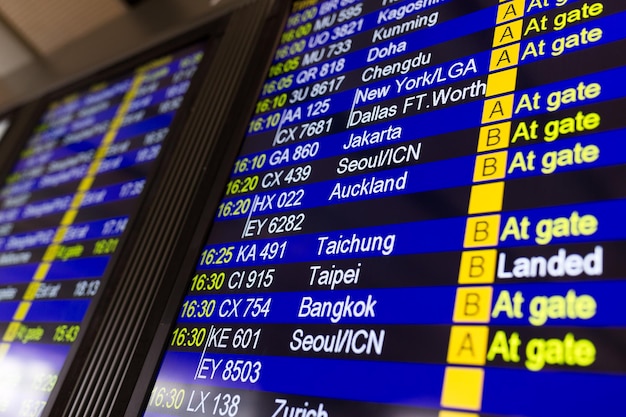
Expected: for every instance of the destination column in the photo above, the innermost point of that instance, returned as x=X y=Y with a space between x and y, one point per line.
x=463 y=385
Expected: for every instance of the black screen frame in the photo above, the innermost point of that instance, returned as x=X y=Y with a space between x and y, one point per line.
x=198 y=227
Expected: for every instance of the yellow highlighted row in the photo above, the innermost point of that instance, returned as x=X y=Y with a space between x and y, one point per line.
x=482 y=231
x=501 y=82
x=498 y=109
x=508 y=33
x=486 y=198
x=468 y=345
x=494 y=137
x=462 y=388
x=472 y=305
x=478 y=267
x=510 y=10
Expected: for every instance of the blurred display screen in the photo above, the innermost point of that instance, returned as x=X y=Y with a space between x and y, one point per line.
x=425 y=219
x=63 y=210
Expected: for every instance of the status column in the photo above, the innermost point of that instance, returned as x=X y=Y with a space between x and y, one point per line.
x=469 y=335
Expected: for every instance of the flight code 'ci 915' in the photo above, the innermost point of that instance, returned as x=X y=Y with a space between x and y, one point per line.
x=255 y=279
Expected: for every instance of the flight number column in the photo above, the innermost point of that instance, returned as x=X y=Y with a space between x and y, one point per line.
x=467 y=350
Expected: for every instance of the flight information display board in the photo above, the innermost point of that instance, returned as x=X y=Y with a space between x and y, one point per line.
x=425 y=219
x=64 y=208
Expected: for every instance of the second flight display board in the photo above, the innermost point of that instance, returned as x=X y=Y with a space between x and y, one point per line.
x=425 y=219
x=64 y=208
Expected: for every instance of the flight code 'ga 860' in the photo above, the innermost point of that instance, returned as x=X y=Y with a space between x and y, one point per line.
x=286 y=155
